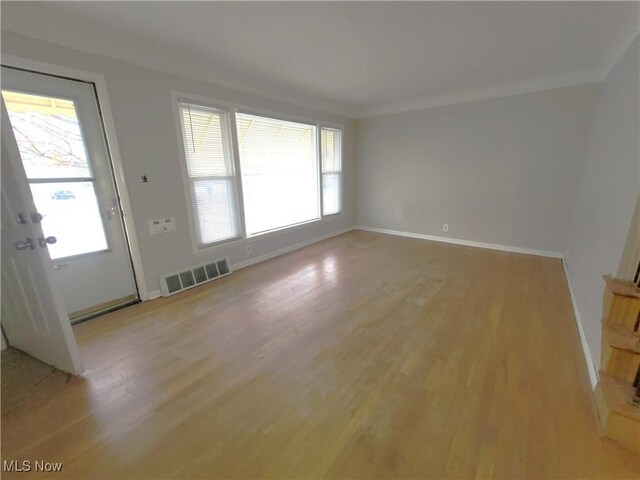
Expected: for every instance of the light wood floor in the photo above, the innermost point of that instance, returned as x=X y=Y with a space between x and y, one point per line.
x=364 y=356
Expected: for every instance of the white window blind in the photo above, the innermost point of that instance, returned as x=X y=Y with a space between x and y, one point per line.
x=331 y=152
x=210 y=171
x=278 y=160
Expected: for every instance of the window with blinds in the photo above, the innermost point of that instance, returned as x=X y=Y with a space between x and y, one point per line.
x=331 y=154
x=278 y=161
x=210 y=172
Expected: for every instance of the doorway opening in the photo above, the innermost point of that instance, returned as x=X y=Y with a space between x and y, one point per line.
x=57 y=131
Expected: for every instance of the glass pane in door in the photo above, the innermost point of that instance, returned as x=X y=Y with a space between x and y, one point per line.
x=70 y=213
x=48 y=134
x=49 y=137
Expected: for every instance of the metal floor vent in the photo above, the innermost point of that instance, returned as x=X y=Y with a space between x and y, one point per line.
x=171 y=283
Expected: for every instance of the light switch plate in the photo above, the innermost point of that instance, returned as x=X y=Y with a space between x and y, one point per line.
x=162 y=225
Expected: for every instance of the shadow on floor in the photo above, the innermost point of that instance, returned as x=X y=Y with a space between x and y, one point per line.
x=26 y=379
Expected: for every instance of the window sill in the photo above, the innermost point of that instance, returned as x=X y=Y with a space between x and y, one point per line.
x=293 y=226
x=213 y=247
x=235 y=242
x=331 y=215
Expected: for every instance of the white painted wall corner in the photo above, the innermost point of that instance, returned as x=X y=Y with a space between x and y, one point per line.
x=591 y=368
x=153 y=294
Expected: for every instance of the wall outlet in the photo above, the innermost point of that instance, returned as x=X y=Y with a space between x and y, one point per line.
x=445 y=227
x=162 y=225
x=248 y=249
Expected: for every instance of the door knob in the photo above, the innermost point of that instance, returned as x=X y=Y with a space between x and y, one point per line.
x=28 y=243
x=49 y=240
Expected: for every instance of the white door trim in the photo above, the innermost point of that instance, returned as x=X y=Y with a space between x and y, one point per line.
x=112 y=144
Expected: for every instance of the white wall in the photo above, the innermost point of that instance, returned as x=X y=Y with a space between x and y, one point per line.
x=498 y=171
x=142 y=108
x=607 y=193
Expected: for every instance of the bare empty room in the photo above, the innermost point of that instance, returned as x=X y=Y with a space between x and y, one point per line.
x=355 y=240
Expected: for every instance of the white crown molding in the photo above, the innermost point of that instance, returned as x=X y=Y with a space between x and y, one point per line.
x=506 y=90
x=385 y=108
x=289 y=97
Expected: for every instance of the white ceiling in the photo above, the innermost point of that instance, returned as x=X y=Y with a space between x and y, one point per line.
x=353 y=58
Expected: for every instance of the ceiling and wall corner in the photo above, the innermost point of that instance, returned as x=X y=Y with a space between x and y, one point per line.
x=356 y=59
x=605 y=201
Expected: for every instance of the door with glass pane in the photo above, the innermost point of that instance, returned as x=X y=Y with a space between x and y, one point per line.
x=58 y=133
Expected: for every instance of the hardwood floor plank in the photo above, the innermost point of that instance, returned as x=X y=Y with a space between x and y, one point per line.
x=363 y=356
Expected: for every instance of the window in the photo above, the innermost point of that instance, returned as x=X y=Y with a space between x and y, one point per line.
x=278 y=161
x=210 y=173
x=331 y=153
x=285 y=168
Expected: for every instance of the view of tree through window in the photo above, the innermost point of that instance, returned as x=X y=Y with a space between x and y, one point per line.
x=53 y=153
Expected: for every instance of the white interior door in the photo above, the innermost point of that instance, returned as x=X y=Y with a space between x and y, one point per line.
x=33 y=316
x=55 y=127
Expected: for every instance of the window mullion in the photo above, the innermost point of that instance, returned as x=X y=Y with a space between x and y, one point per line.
x=321 y=173
x=239 y=187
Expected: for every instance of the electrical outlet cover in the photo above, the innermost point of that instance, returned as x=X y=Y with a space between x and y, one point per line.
x=162 y=225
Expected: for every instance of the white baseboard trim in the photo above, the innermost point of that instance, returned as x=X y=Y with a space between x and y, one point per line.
x=591 y=368
x=458 y=241
x=153 y=294
x=290 y=248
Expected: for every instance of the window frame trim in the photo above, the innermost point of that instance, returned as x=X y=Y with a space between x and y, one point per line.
x=230 y=109
x=318 y=166
x=196 y=245
x=339 y=128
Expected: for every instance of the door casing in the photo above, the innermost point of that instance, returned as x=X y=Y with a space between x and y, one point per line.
x=113 y=148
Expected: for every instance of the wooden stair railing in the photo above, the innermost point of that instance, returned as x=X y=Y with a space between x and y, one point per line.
x=618 y=390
